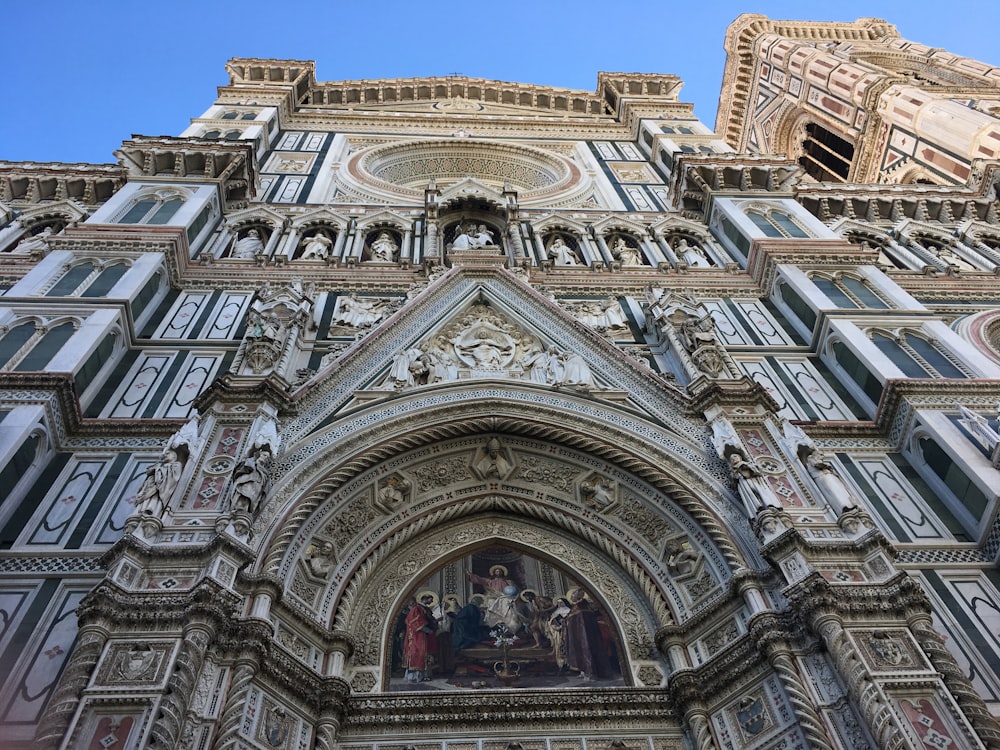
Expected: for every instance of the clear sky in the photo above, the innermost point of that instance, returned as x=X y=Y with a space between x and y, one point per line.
x=82 y=77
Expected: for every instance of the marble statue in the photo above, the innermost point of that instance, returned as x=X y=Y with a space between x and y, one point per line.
x=628 y=255
x=384 y=248
x=562 y=254
x=35 y=242
x=542 y=365
x=835 y=490
x=605 y=315
x=248 y=246
x=463 y=238
x=318 y=246
x=693 y=255
x=161 y=481
x=251 y=480
x=753 y=488
x=484 y=237
x=406 y=368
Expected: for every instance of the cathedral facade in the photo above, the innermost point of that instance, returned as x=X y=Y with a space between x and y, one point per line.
x=459 y=414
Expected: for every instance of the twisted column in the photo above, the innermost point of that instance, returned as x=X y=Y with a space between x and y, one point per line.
x=701 y=731
x=180 y=687
x=958 y=684
x=809 y=719
x=56 y=719
x=232 y=712
x=861 y=687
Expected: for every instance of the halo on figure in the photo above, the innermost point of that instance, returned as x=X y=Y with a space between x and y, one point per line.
x=431 y=594
x=477 y=599
x=571 y=592
x=501 y=568
x=521 y=596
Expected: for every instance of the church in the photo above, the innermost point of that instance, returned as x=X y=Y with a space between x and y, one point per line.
x=457 y=414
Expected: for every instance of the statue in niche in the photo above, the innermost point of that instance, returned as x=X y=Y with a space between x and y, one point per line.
x=484 y=237
x=750 y=483
x=160 y=484
x=834 y=489
x=693 y=255
x=318 y=246
x=249 y=246
x=697 y=332
x=463 y=238
x=384 y=248
x=562 y=254
x=34 y=243
x=625 y=253
x=837 y=493
x=251 y=480
x=493 y=462
x=358 y=312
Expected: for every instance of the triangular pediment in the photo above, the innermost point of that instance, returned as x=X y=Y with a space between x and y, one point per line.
x=477 y=324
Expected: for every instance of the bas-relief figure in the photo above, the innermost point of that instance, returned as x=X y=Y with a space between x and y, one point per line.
x=456 y=639
x=482 y=344
x=359 y=312
x=603 y=316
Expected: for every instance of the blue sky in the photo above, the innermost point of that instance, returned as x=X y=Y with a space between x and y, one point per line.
x=86 y=76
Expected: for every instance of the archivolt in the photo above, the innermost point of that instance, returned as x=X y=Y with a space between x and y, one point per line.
x=366 y=438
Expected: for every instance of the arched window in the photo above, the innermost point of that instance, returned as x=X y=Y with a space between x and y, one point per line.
x=14 y=341
x=954 y=477
x=105 y=281
x=775 y=224
x=825 y=155
x=211 y=135
x=71 y=280
x=249 y=116
x=849 y=293
x=230 y=116
x=152 y=209
x=46 y=348
x=917 y=357
x=232 y=135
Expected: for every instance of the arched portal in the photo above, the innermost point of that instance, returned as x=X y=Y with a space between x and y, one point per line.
x=353 y=545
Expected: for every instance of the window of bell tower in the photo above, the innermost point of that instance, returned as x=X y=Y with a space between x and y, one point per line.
x=825 y=155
